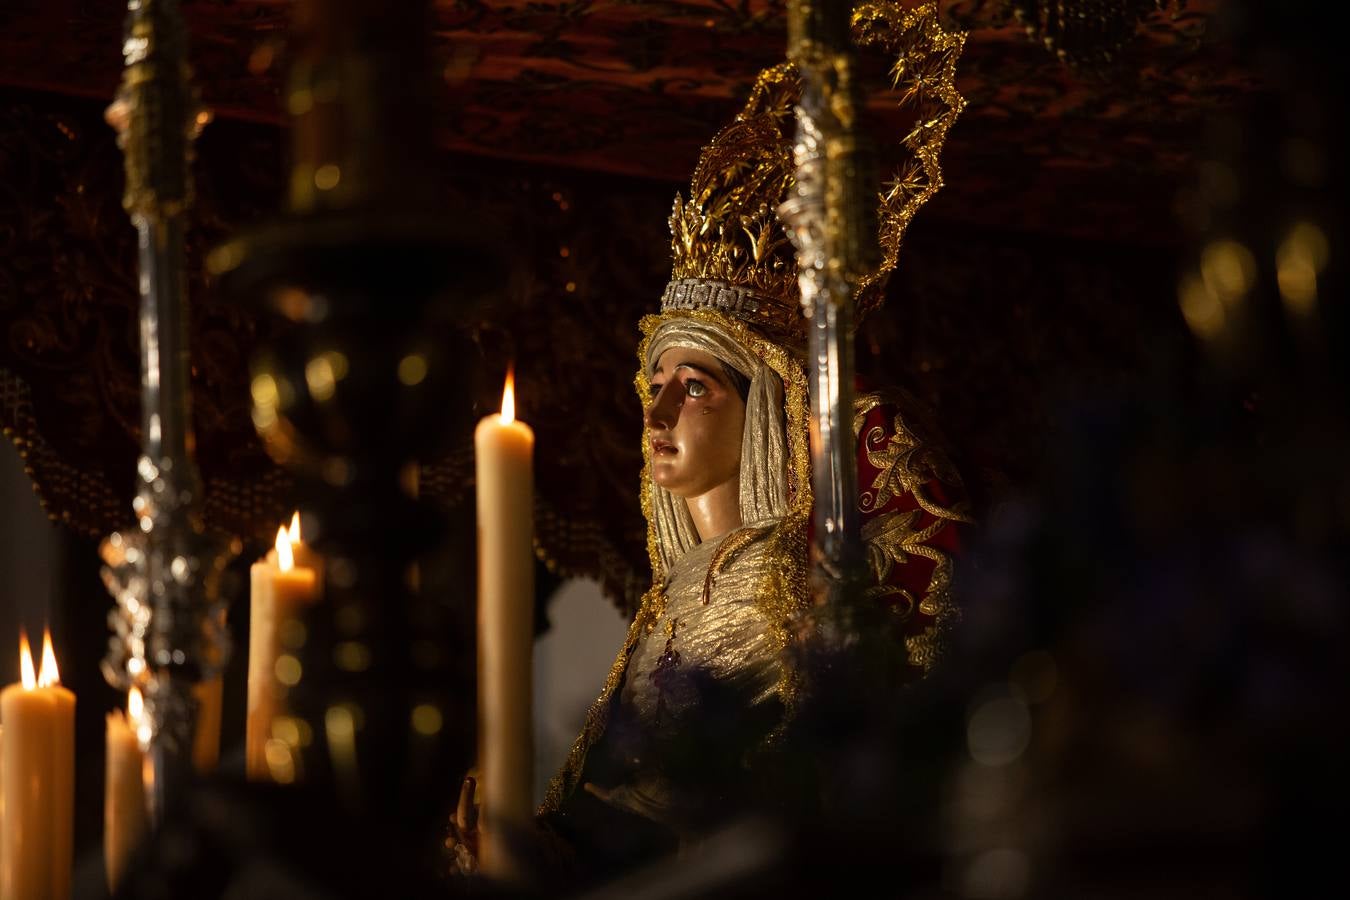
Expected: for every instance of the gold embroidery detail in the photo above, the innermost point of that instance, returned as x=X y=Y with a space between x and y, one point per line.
x=907 y=464
x=900 y=600
x=731 y=545
x=924 y=649
x=887 y=538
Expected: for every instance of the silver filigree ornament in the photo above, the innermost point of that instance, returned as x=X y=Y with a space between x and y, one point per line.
x=829 y=221
x=168 y=626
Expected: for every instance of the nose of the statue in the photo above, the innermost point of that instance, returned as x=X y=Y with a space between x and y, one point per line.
x=662 y=413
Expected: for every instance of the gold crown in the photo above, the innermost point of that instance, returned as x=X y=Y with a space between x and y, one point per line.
x=730 y=251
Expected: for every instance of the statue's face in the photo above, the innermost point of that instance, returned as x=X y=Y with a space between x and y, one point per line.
x=694 y=423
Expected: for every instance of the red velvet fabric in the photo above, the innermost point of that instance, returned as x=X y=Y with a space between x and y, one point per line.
x=914 y=574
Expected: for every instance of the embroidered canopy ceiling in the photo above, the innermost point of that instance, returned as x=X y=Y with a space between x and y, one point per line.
x=634 y=87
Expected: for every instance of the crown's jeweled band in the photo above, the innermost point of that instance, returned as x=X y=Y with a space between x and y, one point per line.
x=743 y=303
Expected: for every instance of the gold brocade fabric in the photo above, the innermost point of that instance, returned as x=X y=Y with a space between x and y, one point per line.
x=724 y=646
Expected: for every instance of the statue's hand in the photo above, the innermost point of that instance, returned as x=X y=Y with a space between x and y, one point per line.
x=462 y=841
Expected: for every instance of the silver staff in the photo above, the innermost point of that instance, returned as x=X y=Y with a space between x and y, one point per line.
x=169 y=625
x=832 y=220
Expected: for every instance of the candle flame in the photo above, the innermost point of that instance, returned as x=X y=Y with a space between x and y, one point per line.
x=295 y=528
x=135 y=706
x=285 y=558
x=509 y=397
x=26 y=662
x=48 y=675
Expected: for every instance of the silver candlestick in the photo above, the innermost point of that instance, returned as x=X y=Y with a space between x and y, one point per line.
x=169 y=625
x=831 y=217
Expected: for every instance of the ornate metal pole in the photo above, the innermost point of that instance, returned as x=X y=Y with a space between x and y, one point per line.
x=832 y=217
x=169 y=624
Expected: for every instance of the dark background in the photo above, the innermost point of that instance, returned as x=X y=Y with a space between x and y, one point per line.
x=1164 y=505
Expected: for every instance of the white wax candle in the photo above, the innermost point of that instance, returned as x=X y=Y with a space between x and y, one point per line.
x=38 y=770
x=503 y=451
x=280 y=590
x=125 y=814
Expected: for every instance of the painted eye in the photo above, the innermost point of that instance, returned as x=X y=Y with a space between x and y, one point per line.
x=695 y=388
x=654 y=389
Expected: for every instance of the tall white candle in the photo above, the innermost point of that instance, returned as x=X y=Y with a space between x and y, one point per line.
x=125 y=815
x=504 y=452
x=280 y=589
x=38 y=770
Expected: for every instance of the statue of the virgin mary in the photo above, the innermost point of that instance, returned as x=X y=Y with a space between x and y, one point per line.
x=702 y=688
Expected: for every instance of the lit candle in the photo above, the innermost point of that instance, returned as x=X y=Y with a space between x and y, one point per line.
x=125 y=814
x=503 y=452
x=38 y=771
x=281 y=588
x=304 y=555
